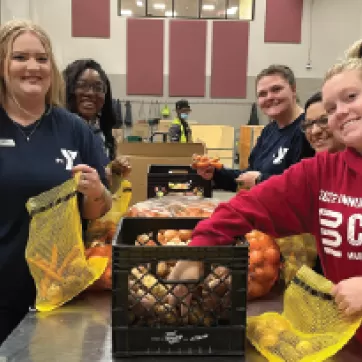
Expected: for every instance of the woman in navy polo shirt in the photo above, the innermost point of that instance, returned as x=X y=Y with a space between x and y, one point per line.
x=281 y=143
x=41 y=146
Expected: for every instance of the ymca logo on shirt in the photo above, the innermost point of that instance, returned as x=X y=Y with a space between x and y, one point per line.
x=280 y=156
x=69 y=157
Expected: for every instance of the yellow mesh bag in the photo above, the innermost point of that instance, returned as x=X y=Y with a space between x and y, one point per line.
x=310 y=329
x=55 y=249
x=296 y=250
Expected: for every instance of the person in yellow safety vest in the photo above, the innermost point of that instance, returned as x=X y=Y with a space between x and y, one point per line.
x=180 y=130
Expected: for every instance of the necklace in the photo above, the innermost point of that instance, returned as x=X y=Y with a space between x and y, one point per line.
x=36 y=125
x=27 y=137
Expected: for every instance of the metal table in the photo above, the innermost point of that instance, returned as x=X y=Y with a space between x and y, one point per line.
x=80 y=332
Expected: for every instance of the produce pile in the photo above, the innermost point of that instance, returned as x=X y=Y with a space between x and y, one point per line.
x=210 y=302
x=174 y=206
x=204 y=161
x=149 y=298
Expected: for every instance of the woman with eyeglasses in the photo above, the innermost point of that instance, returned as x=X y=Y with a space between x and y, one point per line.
x=88 y=94
x=315 y=126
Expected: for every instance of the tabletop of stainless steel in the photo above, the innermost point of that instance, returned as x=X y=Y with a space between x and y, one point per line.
x=81 y=332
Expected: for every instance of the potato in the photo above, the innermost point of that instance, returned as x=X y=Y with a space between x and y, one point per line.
x=170 y=234
x=196 y=315
x=221 y=271
x=219 y=286
x=142 y=239
x=162 y=269
x=185 y=235
x=166 y=313
x=175 y=241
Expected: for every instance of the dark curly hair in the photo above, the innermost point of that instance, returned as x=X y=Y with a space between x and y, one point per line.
x=107 y=118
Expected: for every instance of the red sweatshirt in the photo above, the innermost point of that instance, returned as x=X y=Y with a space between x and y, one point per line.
x=321 y=195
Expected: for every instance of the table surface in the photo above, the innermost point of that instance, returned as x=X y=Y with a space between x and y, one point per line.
x=80 y=332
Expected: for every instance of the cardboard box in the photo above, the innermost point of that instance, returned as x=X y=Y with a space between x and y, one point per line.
x=141 y=130
x=142 y=155
x=248 y=137
x=219 y=140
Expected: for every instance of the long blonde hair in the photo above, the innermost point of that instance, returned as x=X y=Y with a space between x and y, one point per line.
x=8 y=33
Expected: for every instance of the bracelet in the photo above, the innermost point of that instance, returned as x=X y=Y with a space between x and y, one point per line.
x=102 y=196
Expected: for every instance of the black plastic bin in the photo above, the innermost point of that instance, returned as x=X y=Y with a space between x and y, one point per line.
x=211 y=334
x=166 y=179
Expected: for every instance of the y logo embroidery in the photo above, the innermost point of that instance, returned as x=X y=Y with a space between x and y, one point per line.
x=280 y=156
x=69 y=158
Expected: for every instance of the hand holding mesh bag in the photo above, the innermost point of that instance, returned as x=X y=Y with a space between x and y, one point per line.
x=55 y=249
x=311 y=327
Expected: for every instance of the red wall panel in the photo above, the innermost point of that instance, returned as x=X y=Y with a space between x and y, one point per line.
x=229 y=64
x=145 y=56
x=187 y=58
x=283 y=21
x=91 y=18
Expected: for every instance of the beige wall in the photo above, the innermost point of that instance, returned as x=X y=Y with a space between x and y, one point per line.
x=331 y=27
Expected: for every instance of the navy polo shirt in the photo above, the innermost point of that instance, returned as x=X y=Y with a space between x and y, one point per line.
x=275 y=151
x=57 y=142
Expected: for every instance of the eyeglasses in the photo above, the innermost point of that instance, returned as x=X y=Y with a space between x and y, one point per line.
x=321 y=122
x=99 y=88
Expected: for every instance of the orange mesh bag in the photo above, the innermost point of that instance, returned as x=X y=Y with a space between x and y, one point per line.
x=264 y=264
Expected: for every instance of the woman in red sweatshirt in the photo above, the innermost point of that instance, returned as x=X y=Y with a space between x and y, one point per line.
x=320 y=195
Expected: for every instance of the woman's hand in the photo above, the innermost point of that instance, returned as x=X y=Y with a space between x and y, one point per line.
x=348 y=295
x=97 y=199
x=207 y=173
x=121 y=166
x=184 y=270
x=90 y=184
x=248 y=179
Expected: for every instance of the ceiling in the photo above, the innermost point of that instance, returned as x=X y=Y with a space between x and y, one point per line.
x=212 y=9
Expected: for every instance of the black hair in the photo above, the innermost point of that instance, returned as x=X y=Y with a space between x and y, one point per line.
x=315 y=98
x=107 y=119
x=182 y=103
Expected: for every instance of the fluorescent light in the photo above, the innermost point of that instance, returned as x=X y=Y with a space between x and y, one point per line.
x=139 y=4
x=208 y=7
x=126 y=12
x=169 y=13
x=232 y=11
x=159 y=6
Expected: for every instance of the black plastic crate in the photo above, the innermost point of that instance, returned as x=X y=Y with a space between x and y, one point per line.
x=138 y=330
x=165 y=179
